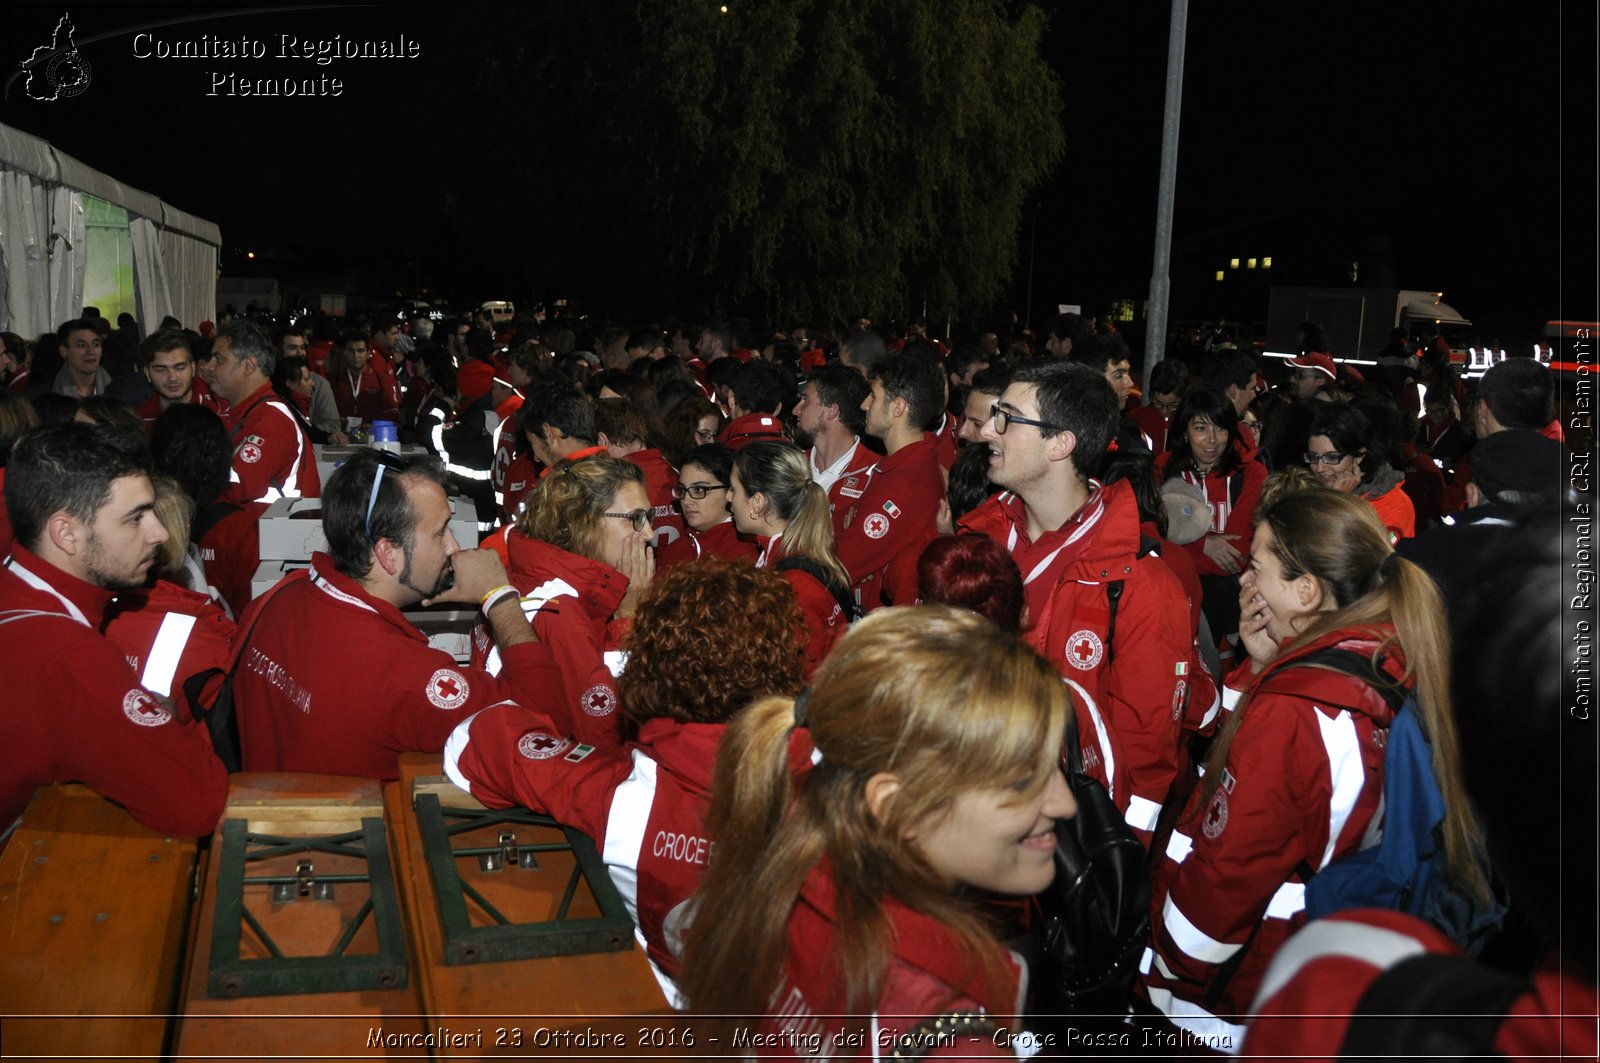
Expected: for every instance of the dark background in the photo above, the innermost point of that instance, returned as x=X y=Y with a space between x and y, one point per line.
x=1443 y=148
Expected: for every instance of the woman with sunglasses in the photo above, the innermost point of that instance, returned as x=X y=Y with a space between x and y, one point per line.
x=775 y=500
x=702 y=494
x=580 y=559
x=1341 y=455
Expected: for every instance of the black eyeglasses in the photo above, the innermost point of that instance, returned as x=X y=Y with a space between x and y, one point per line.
x=639 y=518
x=1332 y=457
x=697 y=491
x=385 y=461
x=1003 y=419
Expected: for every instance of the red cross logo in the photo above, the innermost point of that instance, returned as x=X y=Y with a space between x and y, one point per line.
x=1084 y=650
x=536 y=745
x=448 y=689
x=143 y=709
x=598 y=700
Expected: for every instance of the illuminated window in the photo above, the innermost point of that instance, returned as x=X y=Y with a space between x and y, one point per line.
x=1220 y=274
x=1252 y=263
x=1233 y=263
x=1355 y=272
x=1122 y=310
x=1266 y=263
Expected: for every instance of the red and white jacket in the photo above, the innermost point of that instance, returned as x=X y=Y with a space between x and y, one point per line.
x=659 y=480
x=643 y=805
x=748 y=428
x=825 y=621
x=272 y=455
x=170 y=634
x=1130 y=710
x=720 y=540
x=333 y=680
x=77 y=712
x=1321 y=974
x=1302 y=784
x=1227 y=516
x=569 y=600
x=929 y=975
x=845 y=485
x=893 y=518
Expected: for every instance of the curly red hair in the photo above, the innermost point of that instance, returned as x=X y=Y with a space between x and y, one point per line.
x=709 y=638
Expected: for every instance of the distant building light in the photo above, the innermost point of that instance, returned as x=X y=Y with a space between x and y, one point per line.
x=1266 y=263
x=1355 y=272
x=723 y=9
x=1233 y=263
x=1222 y=273
x=1252 y=263
x=249 y=254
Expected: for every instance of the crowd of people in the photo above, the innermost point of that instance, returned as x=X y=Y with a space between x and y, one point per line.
x=796 y=628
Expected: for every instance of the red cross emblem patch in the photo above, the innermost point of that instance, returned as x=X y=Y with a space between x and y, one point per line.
x=536 y=745
x=143 y=709
x=876 y=525
x=448 y=689
x=249 y=453
x=1084 y=649
x=598 y=700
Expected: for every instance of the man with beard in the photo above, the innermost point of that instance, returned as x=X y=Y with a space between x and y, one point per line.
x=168 y=364
x=332 y=677
x=828 y=421
x=83 y=510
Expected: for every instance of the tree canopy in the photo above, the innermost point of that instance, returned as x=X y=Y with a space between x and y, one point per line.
x=789 y=157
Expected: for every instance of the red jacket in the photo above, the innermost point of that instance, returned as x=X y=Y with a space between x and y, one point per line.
x=659 y=480
x=929 y=974
x=230 y=550
x=1303 y=781
x=851 y=482
x=643 y=805
x=170 y=634
x=200 y=395
x=825 y=621
x=894 y=516
x=720 y=540
x=1153 y=424
x=272 y=455
x=750 y=427
x=944 y=439
x=76 y=711
x=368 y=395
x=1142 y=693
x=334 y=680
x=1228 y=517
x=1314 y=987
x=569 y=600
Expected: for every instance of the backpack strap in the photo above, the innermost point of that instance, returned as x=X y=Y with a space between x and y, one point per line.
x=1432 y=1006
x=842 y=595
x=1147 y=546
x=1361 y=667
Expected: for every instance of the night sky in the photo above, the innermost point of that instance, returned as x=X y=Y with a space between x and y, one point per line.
x=1426 y=141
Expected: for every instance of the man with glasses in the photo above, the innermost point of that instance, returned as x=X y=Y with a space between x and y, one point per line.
x=1110 y=616
x=272 y=455
x=332 y=676
x=884 y=530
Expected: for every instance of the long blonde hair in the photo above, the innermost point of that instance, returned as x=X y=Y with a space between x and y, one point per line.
x=1339 y=539
x=936 y=695
x=175 y=511
x=780 y=471
x=567 y=507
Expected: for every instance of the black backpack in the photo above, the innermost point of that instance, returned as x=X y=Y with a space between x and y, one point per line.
x=1432 y=1007
x=842 y=595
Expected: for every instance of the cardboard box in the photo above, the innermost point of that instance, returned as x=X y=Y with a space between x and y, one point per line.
x=268 y=573
x=291 y=528
x=330 y=457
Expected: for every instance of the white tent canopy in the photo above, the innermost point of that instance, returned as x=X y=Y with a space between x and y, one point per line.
x=44 y=252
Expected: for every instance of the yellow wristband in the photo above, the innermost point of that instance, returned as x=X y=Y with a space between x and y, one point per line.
x=495 y=593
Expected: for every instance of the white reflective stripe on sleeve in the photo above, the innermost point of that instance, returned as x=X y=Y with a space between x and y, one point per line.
x=1142 y=813
x=1179 y=846
x=1146 y=960
x=437 y=434
x=1161 y=967
x=1334 y=937
x=1290 y=899
x=1191 y=939
x=291 y=485
x=454 y=746
x=1216 y=707
x=233 y=476
x=1101 y=737
x=1345 y=772
x=162 y=663
x=1230 y=698
x=1213 y=1032
x=270 y=496
x=626 y=823
x=616 y=662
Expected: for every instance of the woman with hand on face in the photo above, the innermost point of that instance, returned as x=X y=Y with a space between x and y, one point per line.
x=1341 y=455
x=1207 y=451
x=853 y=830
x=1294 y=779
x=580 y=558
x=775 y=500
x=703 y=499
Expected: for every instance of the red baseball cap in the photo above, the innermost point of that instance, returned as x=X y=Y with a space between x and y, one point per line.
x=1318 y=360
